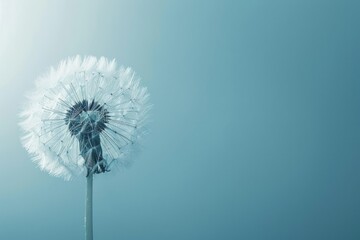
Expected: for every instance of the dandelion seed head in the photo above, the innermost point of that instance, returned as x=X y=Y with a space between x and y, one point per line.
x=84 y=115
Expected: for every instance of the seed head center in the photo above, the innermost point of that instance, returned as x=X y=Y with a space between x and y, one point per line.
x=86 y=118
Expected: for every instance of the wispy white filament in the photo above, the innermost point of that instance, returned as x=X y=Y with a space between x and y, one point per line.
x=46 y=134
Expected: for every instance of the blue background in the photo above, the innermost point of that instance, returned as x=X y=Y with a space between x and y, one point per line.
x=255 y=129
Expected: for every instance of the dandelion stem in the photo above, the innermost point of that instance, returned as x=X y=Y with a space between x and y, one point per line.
x=88 y=211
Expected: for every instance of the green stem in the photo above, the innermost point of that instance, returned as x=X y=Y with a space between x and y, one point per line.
x=88 y=207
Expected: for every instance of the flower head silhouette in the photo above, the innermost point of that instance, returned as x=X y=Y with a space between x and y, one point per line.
x=84 y=115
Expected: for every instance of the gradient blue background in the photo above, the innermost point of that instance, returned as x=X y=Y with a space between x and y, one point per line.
x=255 y=129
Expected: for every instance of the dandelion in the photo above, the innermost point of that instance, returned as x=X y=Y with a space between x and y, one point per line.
x=83 y=116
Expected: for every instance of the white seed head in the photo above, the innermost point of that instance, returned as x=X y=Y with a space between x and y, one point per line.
x=84 y=115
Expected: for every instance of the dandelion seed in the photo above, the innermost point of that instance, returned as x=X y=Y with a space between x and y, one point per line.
x=82 y=117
